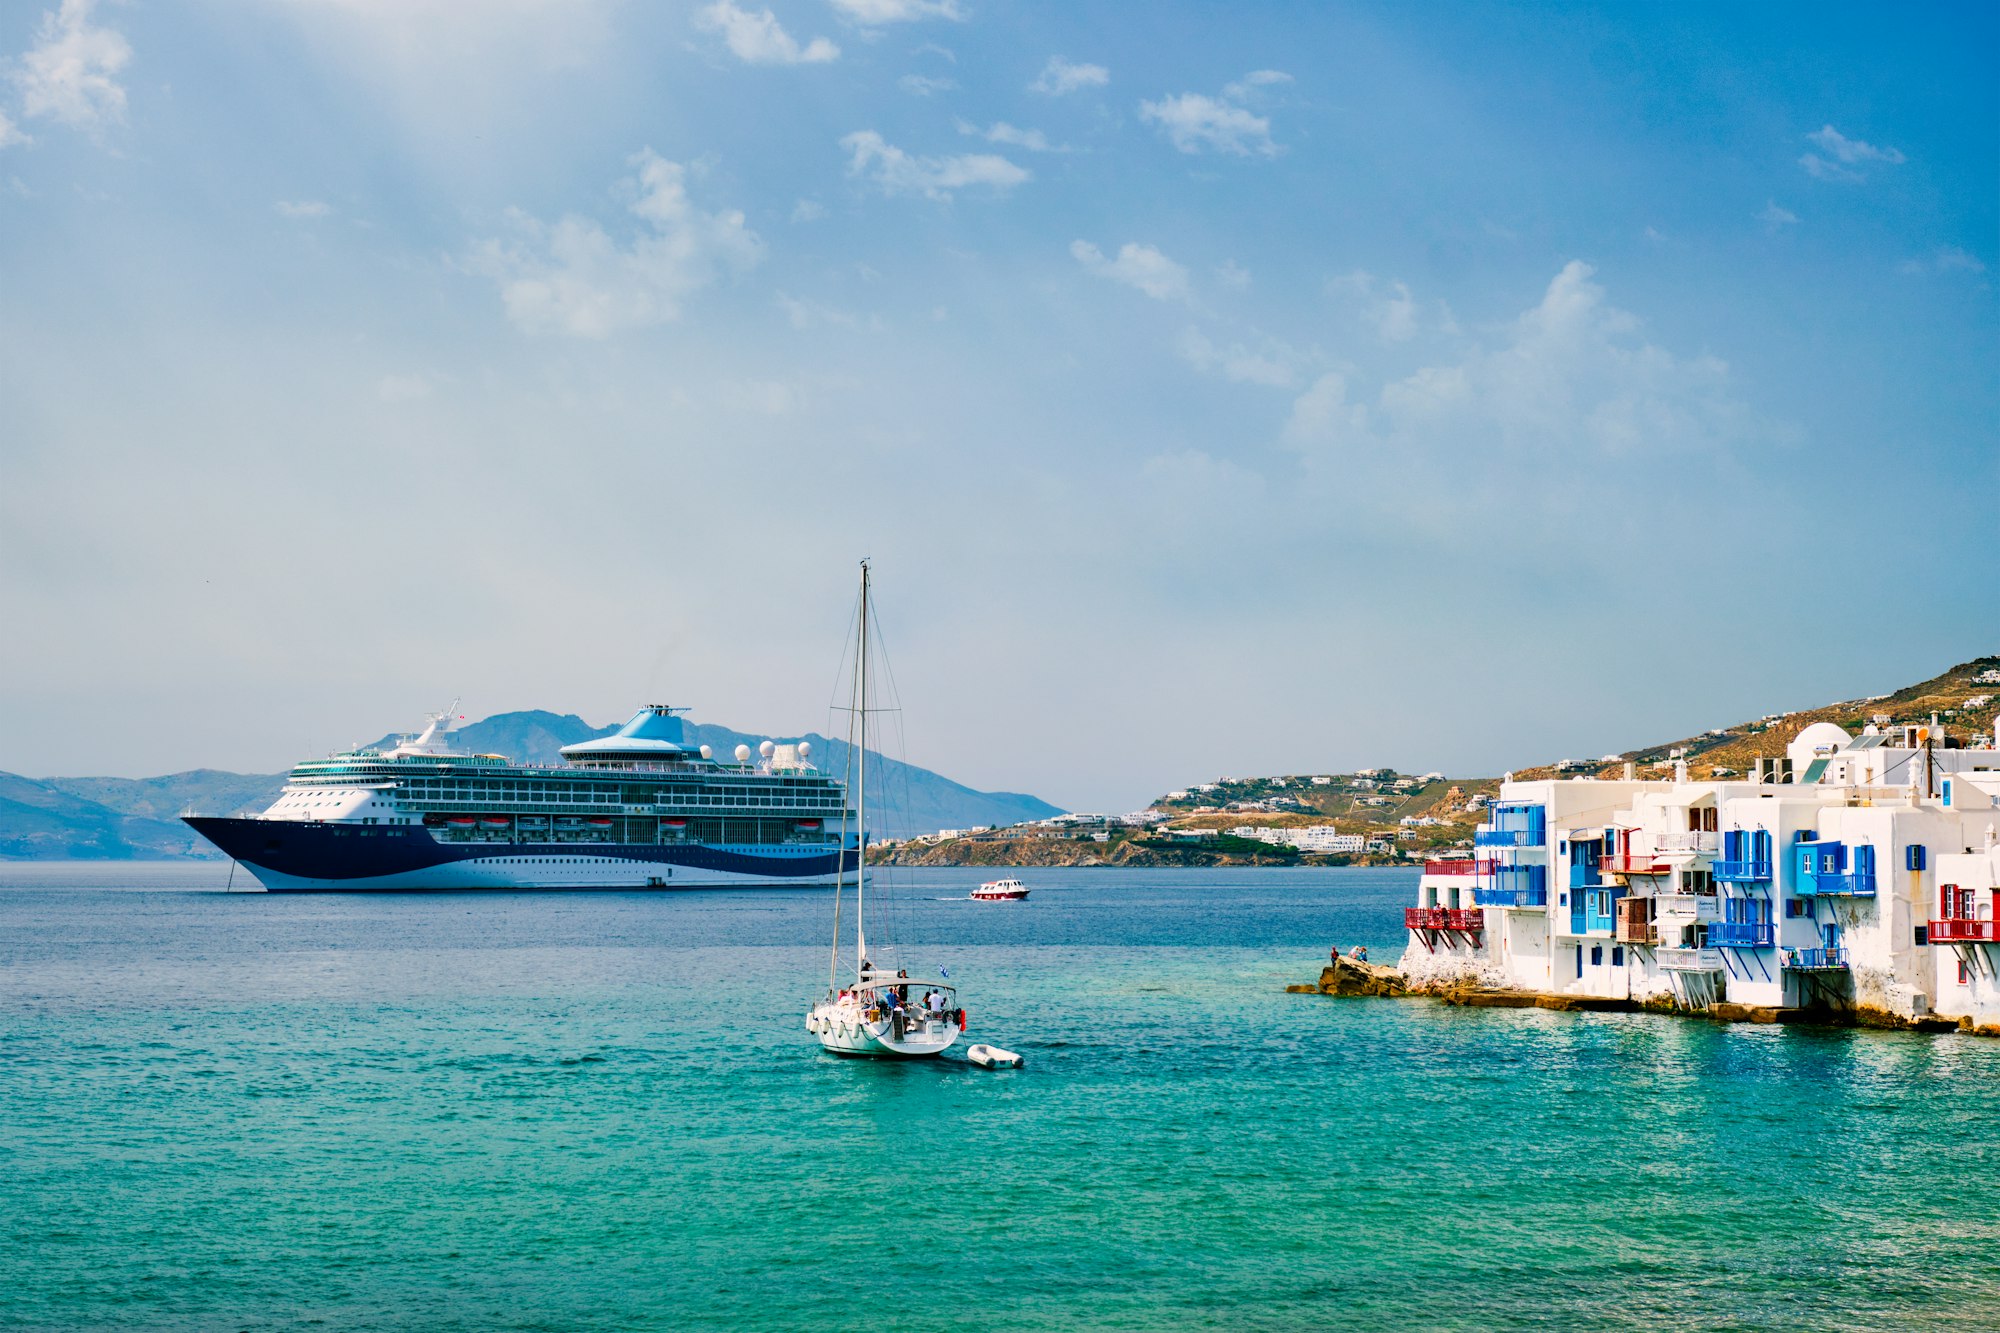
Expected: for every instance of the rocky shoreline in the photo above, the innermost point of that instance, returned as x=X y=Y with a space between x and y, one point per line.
x=1349 y=978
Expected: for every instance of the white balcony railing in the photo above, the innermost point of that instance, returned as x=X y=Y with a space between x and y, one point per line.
x=1684 y=844
x=1686 y=907
x=1689 y=960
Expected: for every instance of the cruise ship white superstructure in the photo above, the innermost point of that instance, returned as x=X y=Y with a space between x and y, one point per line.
x=640 y=808
x=1861 y=872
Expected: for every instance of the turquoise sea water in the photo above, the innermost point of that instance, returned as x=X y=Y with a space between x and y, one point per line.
x=601 y=1112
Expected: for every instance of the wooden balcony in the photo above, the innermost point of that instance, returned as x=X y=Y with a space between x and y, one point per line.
x=1635 y=922
x=1960 y=931
x=1634 y=863
x=1465 y=867
x=1462 y=919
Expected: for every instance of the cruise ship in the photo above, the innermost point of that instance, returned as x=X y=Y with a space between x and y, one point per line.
x=641 y=808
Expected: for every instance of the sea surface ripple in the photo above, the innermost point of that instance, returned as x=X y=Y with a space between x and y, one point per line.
x=602 y=1112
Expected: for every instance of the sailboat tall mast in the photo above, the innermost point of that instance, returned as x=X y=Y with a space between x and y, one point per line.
x=861 y=780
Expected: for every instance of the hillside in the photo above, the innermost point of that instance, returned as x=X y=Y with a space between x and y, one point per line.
x=1374 y=803
x=40 y=822
x=1964 y=704
x=93 y=818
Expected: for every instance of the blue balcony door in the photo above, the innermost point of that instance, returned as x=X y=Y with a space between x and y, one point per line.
x=1746 y=909
x=1829 y=934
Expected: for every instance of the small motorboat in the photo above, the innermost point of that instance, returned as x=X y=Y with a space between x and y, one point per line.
x=1000 y=891
x=992 y=1057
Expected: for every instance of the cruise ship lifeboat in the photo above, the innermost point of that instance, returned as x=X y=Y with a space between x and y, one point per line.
x=807 y=825
x=673 y=823
x=493 y=821
x=600 y=822
x=461 y=821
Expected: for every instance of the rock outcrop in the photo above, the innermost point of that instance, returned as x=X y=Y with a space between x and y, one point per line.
x=1351 y=976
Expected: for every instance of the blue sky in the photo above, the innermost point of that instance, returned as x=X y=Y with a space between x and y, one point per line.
x=1218 y=389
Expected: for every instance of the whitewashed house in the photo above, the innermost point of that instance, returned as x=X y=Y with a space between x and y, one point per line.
x=1813 y=883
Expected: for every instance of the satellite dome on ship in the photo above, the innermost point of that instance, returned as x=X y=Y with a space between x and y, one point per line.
x=654 y=734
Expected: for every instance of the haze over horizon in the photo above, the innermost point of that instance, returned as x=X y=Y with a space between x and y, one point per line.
x=1239 y=390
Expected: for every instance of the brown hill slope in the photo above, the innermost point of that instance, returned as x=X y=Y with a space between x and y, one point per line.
x=1958 y=698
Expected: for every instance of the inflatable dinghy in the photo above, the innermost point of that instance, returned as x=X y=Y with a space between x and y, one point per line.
x=992 y=1057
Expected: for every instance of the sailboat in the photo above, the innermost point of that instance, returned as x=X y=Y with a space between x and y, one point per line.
x=881 y=1012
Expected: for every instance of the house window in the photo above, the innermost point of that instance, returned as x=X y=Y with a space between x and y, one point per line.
x=1617 y=956
x=1597 y=955
x=1962 y=976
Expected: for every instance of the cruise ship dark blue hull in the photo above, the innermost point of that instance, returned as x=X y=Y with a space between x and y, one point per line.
x=304 y=856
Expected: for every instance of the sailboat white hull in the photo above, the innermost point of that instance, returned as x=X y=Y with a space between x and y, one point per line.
x=844 y=1029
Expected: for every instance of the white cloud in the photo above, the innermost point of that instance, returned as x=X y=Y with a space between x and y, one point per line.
x=1776 y=219
x=1195 y=122
x=1273 y=367
x=924 y=85
x=1059 y=77
x=1233 y=276
x=1323 y=418
x=1247 y=86
x=1388 y=308
x=10 y=133
x=1820 y=169
x=70 y=73
x=804 y=314
x=1844 y=156
x=1849 y=150
x=1140 y=266
x=873 y=13
x=1944 y=259
x=1001 y=132
x=757 y=38
x=897 y=172
x=1397 y=321
x=573 y=277
x=808 y=210
x=301 y=208
x=1571 y=382
x=402 y=388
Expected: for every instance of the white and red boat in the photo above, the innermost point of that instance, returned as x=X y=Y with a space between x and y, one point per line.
x=1001 y=891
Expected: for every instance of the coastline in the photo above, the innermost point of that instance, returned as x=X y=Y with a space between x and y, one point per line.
x=1346 y=978
x=1137 y=854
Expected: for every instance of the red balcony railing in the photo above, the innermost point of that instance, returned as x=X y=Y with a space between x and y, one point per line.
x=1634 y=864
x=1466 y=866
x=1443 y=918
x=1963 y=932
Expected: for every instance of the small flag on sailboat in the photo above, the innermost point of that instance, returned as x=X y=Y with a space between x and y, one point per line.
x=944 y=972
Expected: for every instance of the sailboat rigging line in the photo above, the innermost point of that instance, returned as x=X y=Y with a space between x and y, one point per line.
x=861 y=777
x=847 y=774
x=895 y=777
